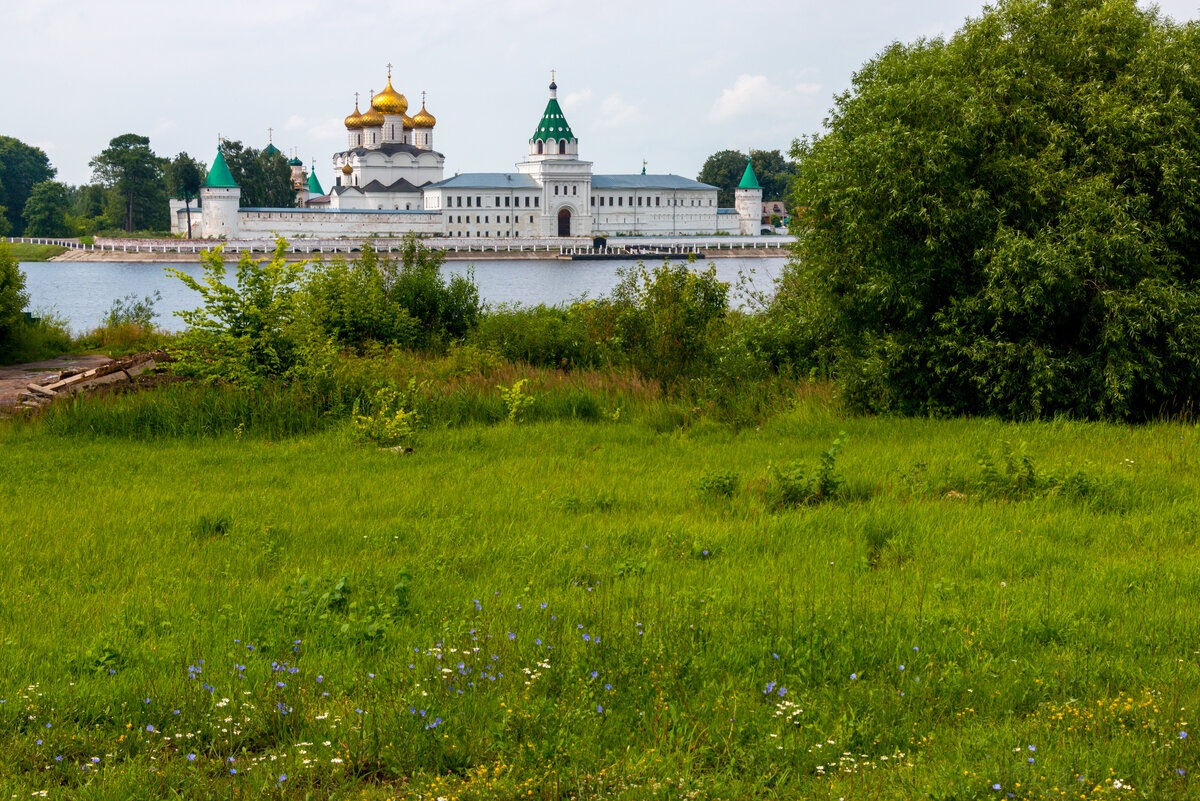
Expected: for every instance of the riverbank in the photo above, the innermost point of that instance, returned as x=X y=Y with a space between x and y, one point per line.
x=451 y=255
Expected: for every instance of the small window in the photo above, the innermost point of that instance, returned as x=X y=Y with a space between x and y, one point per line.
x=537 y=202
x=476 y=219
x=497 y=201
x=556 y=189
x=630 y=201
x=486 y=219
x=656 y=200
x=507 y=200
x=574 y=190
x=540 y=147
x=468 y=202
x=479 y=201
x=562 y=145
x=639 y=201
x=527 y=201
x=620 y=201
x=593 y=201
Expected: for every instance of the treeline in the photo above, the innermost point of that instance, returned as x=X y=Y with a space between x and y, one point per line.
x=129 y=188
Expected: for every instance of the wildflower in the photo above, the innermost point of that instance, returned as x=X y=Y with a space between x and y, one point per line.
x=1180 y=771
x=320 y=679
x=599 y=709
x=995 y=787
x=512 y=636
x=543 y=604
x=594 y=674
x=150 y=728
x=282 y=778
x=587 y=638
x=280 y=685
x=1032 y=748
x=902 y=667
x=191 y=757
x=370 y=675
x=853 y=676
x=608 y=686
x=39 y=742
x=58 y=759
x=233 y=771
x=1182 y=735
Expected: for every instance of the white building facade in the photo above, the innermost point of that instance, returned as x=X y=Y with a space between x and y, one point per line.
x=389 y=181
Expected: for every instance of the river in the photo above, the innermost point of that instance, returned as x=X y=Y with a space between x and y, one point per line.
x=82 y=292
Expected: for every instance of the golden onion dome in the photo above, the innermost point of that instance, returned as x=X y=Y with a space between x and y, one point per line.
x=371 y=119
x=407 y=120
x=424 y=119
x=354 y=121
x=347 y=169
x=389 y=101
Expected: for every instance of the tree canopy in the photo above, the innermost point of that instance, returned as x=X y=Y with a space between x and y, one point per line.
x=133 y=176
x=184 y=178
x=1008 y=222
x=46 y=210
x=724 y=169
x=264 y=177
x=21 y=166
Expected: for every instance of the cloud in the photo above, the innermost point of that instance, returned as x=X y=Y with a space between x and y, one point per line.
x=323 y=130
x=615 y=112
x=577 y=100
x=756 y=94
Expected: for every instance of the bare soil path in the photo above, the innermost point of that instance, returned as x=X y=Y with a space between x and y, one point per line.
x=14 y=378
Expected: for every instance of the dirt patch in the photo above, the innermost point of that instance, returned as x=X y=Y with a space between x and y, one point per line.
x=14 y=378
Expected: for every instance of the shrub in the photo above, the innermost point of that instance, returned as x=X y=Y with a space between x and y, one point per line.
x=13 y=299
x=349 y=303
x=394 y=421
x=794 y=485
x=241 y=334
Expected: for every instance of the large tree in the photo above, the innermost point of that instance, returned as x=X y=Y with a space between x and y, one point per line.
x=184 y=177
x=1008 y=222
x=21 y=166
x=263 y=175
x=46 y=210
x=724 y=170
x=133 y=176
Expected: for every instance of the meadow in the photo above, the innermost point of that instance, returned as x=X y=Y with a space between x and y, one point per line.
x=605 y=594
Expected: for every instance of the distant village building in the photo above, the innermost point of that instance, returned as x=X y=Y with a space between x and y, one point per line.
x=389 y=181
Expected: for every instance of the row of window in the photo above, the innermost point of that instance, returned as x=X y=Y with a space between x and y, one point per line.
x=457 y=201
x=486 y=219
x=670 y=201
x=482 y=234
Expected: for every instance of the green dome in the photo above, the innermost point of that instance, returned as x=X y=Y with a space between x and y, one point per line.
x=219 y=177
x=749 y=180
x=295 y=162
x=553 y=125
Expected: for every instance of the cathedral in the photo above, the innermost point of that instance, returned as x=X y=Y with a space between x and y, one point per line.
x=390 y=181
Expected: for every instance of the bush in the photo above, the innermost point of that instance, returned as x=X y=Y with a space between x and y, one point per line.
x=349 y=302
x=995 y=224
x=794 y=485
x=541 y=335
x=13 y=299
x=247 y=333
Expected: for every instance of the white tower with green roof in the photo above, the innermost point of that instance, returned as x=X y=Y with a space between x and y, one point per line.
x=219 y=200
x=565 y=181
x=747 y=199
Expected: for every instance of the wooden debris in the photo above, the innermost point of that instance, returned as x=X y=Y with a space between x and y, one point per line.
x=72 y=381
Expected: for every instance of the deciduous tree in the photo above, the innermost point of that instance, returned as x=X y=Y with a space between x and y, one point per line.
x=264 y=177
x=184 y=177
x=21 y=166
x=724 y=170
x=46 y=210
x=1008 y=222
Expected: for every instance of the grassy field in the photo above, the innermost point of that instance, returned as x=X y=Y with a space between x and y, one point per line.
x=612 y=607
x=25 y=251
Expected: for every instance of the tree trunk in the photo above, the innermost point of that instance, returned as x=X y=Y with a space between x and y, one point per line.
x=187 y=205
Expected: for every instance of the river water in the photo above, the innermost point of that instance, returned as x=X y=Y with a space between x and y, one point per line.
x=82 y=292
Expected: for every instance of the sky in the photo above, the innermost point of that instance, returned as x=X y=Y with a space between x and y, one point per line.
x=669 y=82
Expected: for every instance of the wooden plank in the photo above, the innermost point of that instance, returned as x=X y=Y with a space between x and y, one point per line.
x=139 y=368
x=40 y=390
x=67 y=382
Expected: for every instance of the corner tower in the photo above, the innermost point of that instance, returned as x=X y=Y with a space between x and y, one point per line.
x=747 y=199
x=566 y=182
x=219 y=200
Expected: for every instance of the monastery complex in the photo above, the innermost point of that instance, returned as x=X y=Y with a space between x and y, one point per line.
x=390 y=182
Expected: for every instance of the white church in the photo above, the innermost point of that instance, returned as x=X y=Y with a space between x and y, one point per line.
x=389 y=181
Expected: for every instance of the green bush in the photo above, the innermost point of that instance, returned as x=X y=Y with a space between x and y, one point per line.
x=349 y=302
x=13 y=299
x=996 y=224
x=546 y=336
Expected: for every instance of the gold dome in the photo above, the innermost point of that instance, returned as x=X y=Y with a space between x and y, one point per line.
x=408 y=121
x=354 y=121
x=389 y=101
x=424 y=119
x=371 y=119
x=347 y=169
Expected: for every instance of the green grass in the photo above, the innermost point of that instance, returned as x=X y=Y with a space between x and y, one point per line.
x=624 y=603
x=25 y=251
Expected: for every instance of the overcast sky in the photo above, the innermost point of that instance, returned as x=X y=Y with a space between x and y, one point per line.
x=669 y=82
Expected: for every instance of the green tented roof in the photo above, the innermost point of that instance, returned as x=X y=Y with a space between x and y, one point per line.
x=219 y=177
x=749 y=181
x=270 y=149
x=314 y=186
x=553 y=124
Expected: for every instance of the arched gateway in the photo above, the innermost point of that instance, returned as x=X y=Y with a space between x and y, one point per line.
x=564 y=222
